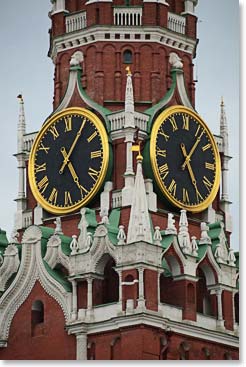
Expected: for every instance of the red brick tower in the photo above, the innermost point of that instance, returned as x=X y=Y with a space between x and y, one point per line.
x=130 y=267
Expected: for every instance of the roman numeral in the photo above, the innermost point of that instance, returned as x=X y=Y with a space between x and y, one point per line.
x=92 y=136
x=93 y=173
x=207 y=183
x=164 y=170
x=96 y=154
x=68 y=200
x=42 y=147
x=161 y=152
x=186 y=199
x=42 y=185
x=173 y=123
x=53 y=196
x=161 y=132
x=68 y=123
x=198 y=129
x=206 y=147
x=54 y=132
x=172 y=188
x=40 y=167
x=186 y=122
x=210 y=166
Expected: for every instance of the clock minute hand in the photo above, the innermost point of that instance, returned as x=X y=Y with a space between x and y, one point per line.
x=66 y=159
x=188 y=156
x=73 y=173
x=191 y=172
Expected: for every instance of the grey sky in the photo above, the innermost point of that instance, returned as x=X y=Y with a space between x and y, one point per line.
x=25 y=68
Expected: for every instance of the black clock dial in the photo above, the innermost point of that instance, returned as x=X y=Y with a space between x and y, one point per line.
x=185 y=159
x=69 y=160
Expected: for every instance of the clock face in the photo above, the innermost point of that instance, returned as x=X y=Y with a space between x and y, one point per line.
x=185 y=159
x=69 y=160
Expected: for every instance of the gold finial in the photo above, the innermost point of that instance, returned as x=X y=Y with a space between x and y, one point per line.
x=128 y=70
x=137 y=148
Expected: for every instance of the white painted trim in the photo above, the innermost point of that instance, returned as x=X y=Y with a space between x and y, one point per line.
x=156 y=320
x=89 y=35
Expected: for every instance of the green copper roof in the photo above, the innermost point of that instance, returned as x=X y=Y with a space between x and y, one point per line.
x=113 y=226
x=167 y=240
x=59 y=277
x=3 y=241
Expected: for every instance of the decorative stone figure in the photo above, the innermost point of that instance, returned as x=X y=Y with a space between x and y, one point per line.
x=194 y=246
x=58 y=229
x=74 y=245
x=175 y=61
x=82 y=226
x=231 y=257
x=205 y=239
x=183 y=236
x=121 y=237
x=157 y=236
x=219 y=253
x=171 y=229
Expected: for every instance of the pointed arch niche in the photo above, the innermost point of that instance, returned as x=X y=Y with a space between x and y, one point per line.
x=106 y=286
x=206 y=303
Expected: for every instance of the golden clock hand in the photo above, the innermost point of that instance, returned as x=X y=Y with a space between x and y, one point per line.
x=188 y=157
x=73 y=173
x=191 y=172
x=65 y=162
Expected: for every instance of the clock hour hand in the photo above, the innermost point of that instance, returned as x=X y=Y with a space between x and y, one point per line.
x=66 y=159
x=188 y=156
x=73 y=173
x=191 y=172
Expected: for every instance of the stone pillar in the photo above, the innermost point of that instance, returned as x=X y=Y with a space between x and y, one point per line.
x=81 y=347
x=141 y=300
x=220 y=321
x=74 y=300
x=89 y=297
x=120 y=288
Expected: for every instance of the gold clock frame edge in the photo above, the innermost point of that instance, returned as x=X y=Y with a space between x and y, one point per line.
x=163 y=115
x=31 y=172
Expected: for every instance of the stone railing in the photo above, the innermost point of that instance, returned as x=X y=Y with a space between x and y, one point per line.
x=76 y=22
x=128 y=16
x=116 y=199
x=28 y=141
x=176 y=23
x=27 y=219
x=117 y=121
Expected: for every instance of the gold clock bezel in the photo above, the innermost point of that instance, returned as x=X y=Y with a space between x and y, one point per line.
x=105 y=162
x=153 y=154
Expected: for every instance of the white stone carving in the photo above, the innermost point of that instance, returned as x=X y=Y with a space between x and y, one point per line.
x=183 y=235
x=157 y=236
x=171 y=229
x=219 y=255
x=205 y=239
x=54 y=254
x=82 y=226
x=104 y=216
x=74 y=246
x=77 y=58
x=194 y=246
x=9 y=266
x=121 y=237
x=139 y=223
x=105 y=198
x=58 y=228
x=231 y=257
x=175 y=60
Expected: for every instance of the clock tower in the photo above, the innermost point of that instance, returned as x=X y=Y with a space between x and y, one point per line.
x=125 y=237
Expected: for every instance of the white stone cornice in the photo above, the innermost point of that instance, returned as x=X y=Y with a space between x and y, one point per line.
x=186 y=328
x=85 y=36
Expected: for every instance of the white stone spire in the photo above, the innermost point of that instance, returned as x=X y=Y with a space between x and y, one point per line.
x=139 y=224
x=225 y=202
x=129 y=132
x=20 y=156
x=129 y=101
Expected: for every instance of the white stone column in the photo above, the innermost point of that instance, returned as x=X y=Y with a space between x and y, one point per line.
x=81 y=347
x=159 y=289
x=220 y=321
x=89 y=297
x=141 y=300
x=120 y=288
x=74 y=300
x=127 y=190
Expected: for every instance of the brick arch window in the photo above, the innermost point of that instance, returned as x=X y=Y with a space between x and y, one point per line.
x=37 y=317
x=127 y=57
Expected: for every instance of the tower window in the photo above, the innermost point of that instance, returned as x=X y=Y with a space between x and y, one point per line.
x=37 y=318
x=127 y=57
